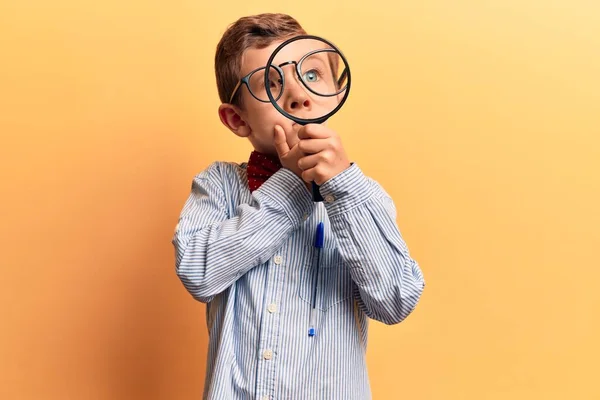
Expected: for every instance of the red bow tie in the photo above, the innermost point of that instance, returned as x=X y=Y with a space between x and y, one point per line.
x=260 y=168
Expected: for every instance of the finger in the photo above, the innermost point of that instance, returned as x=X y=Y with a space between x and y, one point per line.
x=281 y=144
x=312 y=175
x=314 y=131
x=307 y=175
x=296 y=153
x=309 y=161
x=312 y=146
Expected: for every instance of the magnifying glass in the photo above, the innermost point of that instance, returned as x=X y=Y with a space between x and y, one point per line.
x=307 y=79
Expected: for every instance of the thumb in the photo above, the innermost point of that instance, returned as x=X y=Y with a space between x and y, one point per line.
x=280 y=141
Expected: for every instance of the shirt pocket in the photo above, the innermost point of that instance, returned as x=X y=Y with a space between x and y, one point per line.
x=333 y=280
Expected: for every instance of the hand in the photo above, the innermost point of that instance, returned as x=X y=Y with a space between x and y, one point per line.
x=323 y=155
x=288 y=157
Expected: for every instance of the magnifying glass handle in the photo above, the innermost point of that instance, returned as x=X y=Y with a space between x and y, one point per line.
x=315 y=192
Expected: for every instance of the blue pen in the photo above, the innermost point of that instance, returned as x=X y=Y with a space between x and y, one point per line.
x=319 y=240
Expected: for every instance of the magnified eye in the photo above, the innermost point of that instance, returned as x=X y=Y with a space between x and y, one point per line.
x=311 y=76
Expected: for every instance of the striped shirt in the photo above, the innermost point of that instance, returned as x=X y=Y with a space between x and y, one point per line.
x=251 y=258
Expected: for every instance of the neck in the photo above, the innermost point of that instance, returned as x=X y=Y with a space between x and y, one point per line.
x=272 y=157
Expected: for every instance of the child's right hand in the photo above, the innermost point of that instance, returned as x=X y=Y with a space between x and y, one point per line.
x=288 y=157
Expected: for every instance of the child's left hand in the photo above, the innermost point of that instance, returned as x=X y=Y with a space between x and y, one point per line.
x=326 y=156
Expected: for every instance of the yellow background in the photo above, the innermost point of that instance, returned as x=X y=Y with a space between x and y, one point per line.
x=481 y=118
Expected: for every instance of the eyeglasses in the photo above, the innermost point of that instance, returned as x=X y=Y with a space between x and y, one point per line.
x=311 y=70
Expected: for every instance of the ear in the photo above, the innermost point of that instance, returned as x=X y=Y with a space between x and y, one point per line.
x=231 y=117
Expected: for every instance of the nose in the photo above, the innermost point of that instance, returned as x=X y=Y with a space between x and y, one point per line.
x=295 y=96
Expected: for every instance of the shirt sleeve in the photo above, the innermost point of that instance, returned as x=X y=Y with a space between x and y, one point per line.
x=213 y=249
x=389 y=281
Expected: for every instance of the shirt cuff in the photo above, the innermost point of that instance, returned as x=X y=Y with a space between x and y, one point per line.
x=346 y=190
x=290 y=192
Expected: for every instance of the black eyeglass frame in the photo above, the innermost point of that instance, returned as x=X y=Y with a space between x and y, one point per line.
x=297 y=66
x=246 y=81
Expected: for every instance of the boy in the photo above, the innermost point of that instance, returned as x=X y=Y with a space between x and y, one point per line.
x=245 y=243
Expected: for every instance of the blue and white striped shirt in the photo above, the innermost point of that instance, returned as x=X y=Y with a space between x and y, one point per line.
x=251 y=258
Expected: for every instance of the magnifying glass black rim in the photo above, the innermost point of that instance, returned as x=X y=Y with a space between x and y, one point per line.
x=303 y=121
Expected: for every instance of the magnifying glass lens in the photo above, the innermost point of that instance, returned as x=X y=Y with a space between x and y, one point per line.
x=308 y=79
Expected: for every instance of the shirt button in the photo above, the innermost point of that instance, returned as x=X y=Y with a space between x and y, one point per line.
x=278 y=260
x=265 y=398
x=305 y=217
x=268 y=354
x=329 y=198
x=272 y=307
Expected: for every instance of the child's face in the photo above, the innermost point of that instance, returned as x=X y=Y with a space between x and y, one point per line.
x=256 y=120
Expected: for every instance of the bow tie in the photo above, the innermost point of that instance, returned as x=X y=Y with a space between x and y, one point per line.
x=260 y=168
